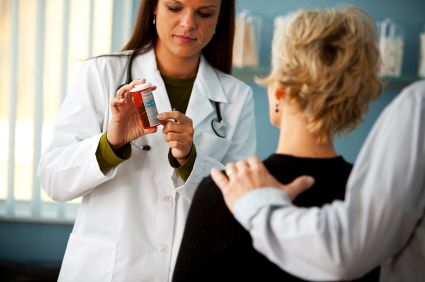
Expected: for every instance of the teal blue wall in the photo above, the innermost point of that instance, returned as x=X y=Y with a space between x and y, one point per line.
x=45 y=243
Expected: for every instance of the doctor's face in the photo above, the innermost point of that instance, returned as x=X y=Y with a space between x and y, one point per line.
x=184 y=27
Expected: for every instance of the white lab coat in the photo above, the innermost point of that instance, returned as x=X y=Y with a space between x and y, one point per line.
x=131 y=219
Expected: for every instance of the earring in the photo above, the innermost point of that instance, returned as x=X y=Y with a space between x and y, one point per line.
x=154 y=20
x=276 y=110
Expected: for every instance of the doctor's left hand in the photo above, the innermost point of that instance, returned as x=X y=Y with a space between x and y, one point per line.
x=125 y=125
x=178 y=133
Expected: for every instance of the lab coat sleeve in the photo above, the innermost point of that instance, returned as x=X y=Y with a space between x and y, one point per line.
x=244 y=140
x=243 y=145
x=384 y=202
x=69 y=168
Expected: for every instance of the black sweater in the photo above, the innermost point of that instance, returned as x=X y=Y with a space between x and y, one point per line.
x=215 y=247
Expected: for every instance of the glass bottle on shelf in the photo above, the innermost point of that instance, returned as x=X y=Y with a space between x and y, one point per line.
x=391 y=43
x=421 y=72
x=247 y=41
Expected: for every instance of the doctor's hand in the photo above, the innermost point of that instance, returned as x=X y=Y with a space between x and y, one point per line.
x=178 y=133
x=247 y=175
x=125 y=125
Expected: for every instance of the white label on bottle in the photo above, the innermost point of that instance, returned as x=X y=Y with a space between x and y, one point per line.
x=150 y=107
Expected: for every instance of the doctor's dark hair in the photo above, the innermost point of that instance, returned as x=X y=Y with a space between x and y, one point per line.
x=218 y=52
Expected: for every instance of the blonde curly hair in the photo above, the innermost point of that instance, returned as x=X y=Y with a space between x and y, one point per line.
x=328 y=63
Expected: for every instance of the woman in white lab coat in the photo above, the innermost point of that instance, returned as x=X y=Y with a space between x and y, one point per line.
x=135 y=202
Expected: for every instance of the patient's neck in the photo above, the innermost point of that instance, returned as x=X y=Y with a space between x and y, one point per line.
x=297 y=141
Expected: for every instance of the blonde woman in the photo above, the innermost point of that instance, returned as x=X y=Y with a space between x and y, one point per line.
x=324 y=74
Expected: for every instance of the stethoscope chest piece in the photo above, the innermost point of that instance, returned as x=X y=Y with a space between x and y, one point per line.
x=219 y=127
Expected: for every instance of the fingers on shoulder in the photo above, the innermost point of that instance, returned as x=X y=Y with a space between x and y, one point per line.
x=219 y=178
x=255 y=163
x=250 y=165
x=242 y=166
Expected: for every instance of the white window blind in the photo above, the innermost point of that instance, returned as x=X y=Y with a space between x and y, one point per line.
x=43 y=43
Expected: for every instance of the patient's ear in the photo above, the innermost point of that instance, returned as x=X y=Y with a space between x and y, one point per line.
x=279 y=92
x=275 y=94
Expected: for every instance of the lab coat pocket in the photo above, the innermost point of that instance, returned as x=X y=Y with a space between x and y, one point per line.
x=216 y=147
x=88 y=259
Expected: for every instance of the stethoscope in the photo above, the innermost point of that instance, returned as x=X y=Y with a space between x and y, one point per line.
x=217 y=124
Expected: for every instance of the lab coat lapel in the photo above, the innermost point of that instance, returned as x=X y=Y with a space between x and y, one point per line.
x=206 y=89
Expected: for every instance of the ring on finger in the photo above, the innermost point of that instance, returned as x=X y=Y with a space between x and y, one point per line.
x=229 y=171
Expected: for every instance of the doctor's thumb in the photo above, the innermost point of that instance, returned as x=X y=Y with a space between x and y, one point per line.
x=298 y=186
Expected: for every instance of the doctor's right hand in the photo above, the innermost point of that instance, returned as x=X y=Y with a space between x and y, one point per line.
x=125 y=125
x=247 y=175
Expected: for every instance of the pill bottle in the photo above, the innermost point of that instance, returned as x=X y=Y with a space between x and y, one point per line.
x=145 y=103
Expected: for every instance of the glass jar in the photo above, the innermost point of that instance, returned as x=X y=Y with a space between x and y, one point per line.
x=421 y=71
x=246 y=46
x=391 y=43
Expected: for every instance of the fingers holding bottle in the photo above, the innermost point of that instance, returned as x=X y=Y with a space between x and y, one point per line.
x=178 y=133
x=126 y=124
